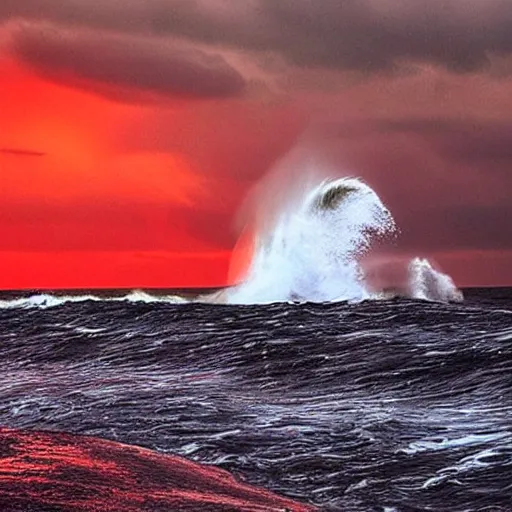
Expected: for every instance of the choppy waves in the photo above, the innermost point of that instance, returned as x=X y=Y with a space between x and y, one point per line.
x=394 y=404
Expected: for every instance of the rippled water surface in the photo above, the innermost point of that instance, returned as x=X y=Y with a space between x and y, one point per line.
x=385 y=405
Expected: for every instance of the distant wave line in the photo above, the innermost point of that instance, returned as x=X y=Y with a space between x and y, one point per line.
x=21 y=152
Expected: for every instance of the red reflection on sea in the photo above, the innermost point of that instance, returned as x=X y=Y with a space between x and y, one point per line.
x=42 y=471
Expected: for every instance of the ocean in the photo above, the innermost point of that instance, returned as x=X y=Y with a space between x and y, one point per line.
x=376 y=405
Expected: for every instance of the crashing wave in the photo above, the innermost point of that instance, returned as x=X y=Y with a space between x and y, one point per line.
x=311 y=249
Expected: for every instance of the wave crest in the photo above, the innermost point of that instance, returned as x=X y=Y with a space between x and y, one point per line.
x=49 y=300
x=311 y=250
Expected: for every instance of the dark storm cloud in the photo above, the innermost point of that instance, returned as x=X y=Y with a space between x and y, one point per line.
x=126 y=62
x=343 y=34
x=446 y=227
x=477 y=143
x=375 y=35
x=447 y=182
x=486 y=144
x=133 y=16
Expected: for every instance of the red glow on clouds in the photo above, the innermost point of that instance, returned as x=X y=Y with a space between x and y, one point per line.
x=66 y=187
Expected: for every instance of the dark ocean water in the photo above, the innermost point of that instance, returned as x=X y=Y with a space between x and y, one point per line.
x=395 y=405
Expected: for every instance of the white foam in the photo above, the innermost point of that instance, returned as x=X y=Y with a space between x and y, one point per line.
x=477 y=461
x=436 y=444
x=311 y=250
x=46 y=300
x=141 y=296
x=427 y=283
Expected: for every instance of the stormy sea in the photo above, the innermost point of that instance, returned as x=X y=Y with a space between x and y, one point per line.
x=312 y=387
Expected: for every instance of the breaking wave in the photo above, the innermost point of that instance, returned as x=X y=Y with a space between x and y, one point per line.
x=311 y=250
x=312 y=247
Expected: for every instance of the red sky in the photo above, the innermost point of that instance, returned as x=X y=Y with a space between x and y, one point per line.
x=130 y=132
